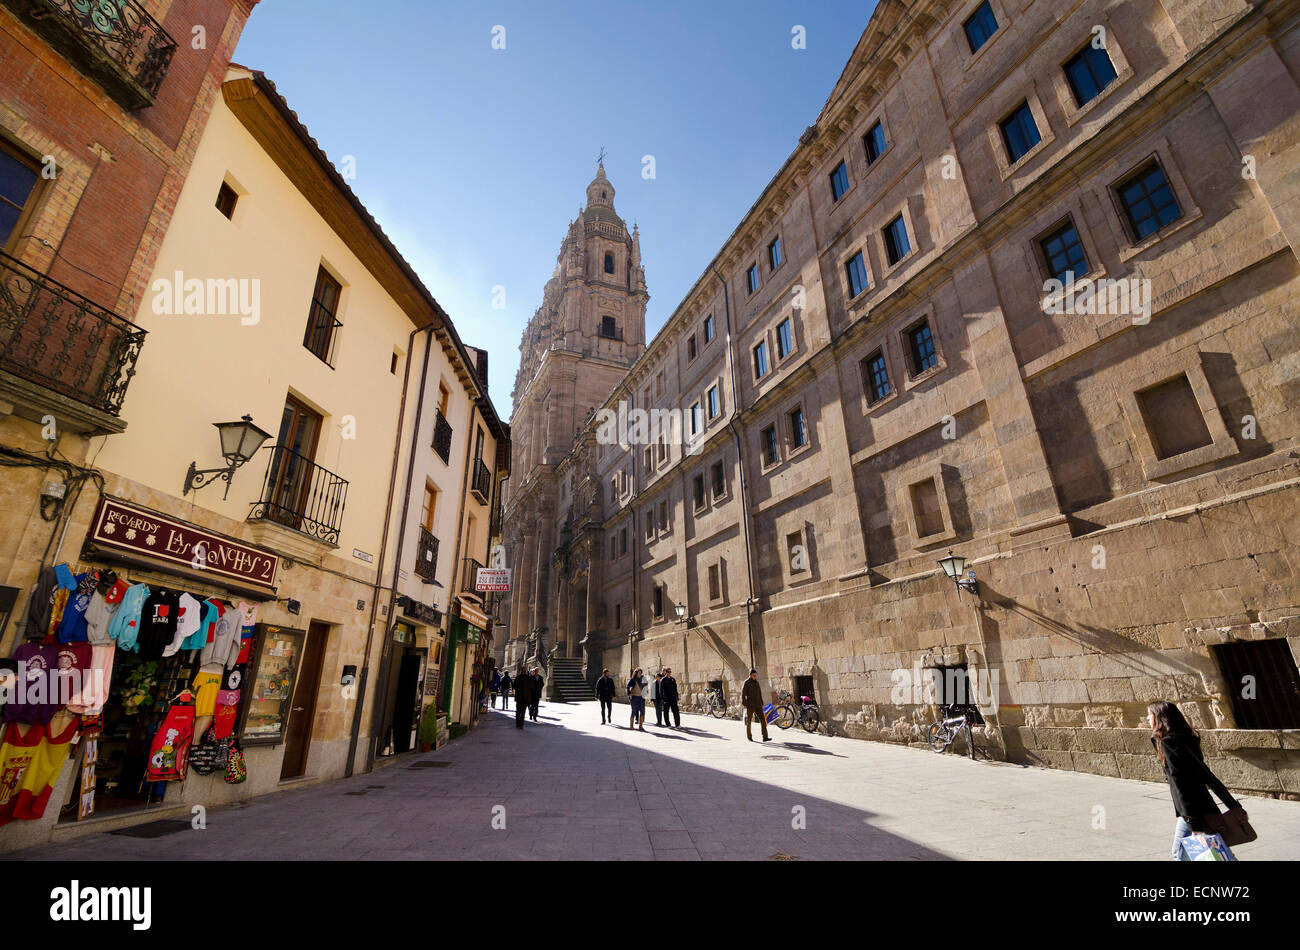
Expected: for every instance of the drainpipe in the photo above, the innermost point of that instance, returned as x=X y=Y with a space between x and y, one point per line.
x=383 y=544
x=740 y=463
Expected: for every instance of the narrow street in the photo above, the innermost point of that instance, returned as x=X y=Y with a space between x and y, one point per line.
x=572 y=788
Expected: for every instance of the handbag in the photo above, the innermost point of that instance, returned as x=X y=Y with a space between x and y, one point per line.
x=1232 y=826
x=206 y=758
x=236 y=769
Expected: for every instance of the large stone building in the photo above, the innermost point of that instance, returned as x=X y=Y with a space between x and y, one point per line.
x=897 y=352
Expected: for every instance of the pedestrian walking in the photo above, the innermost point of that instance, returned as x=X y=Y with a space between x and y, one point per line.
x=505 y=690
x=1190 y=780
x=654 y=698
x=635 y=688
x=538 y=682
x=496 y=687
x=751 y=697
x=605 y=693
x=669 y=697
x=523 y=697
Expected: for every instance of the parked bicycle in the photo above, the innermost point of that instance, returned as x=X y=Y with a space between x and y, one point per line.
x=714 y=704
x=955 y=721
x=804 y=712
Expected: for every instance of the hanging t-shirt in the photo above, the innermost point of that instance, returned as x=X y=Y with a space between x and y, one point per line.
x=72 y=628
x=207 y=620
x=188 y=618
x=73 y=670
x=20 y=744
x=125 y=625
x=112 y=587
x=249 y=613
x=95 y=683
x=35 y=698
x=42 y=772
x=158 y=619
x=223 y=651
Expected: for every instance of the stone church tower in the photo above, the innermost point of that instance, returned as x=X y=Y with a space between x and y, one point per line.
x=576 y=348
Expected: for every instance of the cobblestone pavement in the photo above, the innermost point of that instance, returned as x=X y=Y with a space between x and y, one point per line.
x=573 y=788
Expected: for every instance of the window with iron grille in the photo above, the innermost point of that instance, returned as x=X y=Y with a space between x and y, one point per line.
x=875 y=376
x=18 y=177
x=1262 y=682
x=322 y=323
x=920 y=346
x=803 y=686
x=979 y=26
x=608 y=328
x=1064 y=255
x=1020 y=132
x=1088 y=72
x=442 y=432
x=1149 y=201
x=839 y=181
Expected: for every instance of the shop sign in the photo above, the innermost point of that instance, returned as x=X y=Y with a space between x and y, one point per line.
x=128 y=528
x=492 y=579
x=473 y=615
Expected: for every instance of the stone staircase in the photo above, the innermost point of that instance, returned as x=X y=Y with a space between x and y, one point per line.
x=566 y=683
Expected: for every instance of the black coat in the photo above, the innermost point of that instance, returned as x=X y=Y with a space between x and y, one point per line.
x=538 y=683
x=1190 y=780
x=668 y=689
x=751 y=696
x=524 y=685
x=605 y=687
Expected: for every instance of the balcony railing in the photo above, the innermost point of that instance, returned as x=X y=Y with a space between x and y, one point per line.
x=322 y=332
x=469 y=575
x=116 y=42
x=481 y=483
x=55 y=337
x=299 y=494
x=442 y=437
x=426 y=556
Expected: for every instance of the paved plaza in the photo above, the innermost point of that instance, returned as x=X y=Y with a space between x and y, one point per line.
x=568 y=787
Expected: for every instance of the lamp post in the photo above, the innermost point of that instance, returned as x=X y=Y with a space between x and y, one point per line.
x=680 y=610
x=239 y=443
x=953 y=565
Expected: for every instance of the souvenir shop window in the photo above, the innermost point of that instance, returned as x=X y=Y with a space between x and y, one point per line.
x=266 y=709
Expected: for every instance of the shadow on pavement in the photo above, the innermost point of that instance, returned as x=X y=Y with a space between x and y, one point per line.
x=806 y=748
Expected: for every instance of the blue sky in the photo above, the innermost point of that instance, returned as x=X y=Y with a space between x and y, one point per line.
x=475 y=159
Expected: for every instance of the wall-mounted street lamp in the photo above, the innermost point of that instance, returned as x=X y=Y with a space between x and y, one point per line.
x=239 y=443
x=953 y=565
x=680 y=610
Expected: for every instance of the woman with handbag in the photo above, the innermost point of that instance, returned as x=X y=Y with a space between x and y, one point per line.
x=1190 y=781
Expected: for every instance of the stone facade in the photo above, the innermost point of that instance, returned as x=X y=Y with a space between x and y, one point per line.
x=1122 y=477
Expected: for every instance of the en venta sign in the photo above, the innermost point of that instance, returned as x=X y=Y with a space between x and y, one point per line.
x=127 y=528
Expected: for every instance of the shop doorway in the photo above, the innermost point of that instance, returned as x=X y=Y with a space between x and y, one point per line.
x=406 y=708
x=302 y=714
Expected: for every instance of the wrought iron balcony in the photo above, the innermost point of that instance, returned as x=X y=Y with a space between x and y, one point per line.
x=481 y=482
x=54 y=337
x=299 y=494
x=442 y=437
x=426 y=556
x=115 y=42
x=469 y=576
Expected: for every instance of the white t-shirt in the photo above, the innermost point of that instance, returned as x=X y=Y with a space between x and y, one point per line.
x=187 y=622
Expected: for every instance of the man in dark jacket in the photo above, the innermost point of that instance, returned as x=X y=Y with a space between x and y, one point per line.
x=538 y=683
x=605 y=693
x=523 y=697
x=751 y=697
x=668 y=694
x=506 y=683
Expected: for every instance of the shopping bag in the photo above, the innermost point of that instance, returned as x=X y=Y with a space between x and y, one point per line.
x=1202 y=847
x=236 y=770
x=769 y=713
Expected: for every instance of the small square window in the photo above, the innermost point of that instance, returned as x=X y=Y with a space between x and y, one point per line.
x=1088 y=72
x=752 y=278
x=697 y=491
x=713 y=402
x=979 y=26
x=708 y=328
x=897 y=246
x=875 y=377
x=1020 y=132
x=1149 y=201
x=920 y=347
x=857 y=269
x=1064 y=254
x=798 y=428
x=226 y=199
x=774 y=257
x=874 y=143
x=771 y=454
x=839 y=181
x=719 y=480
x=784 y=339
x=761 y=365
x=690 y=347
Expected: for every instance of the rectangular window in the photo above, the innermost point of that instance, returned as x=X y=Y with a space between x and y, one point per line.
x=618 y=616
x=770 y=453
x=839 y=181
x=715 y=582
x=875 y=377
x=18 y=177
x=663 y=515
x=1064 y=255
x=761 y=366
x=774 y=257
x=663 y=449
x=857 y=268
x=925 y=508
x=719 y=480
x=1149 y=201
x=1274 y=702
x=979 y=26
x=649 y=458
x=690 y=347
x=695 y=418
x=1019 y=132
x=649 y=524
x=798 y=428
x=752 y=278
x=657 y=601
x=784 y=338
x=897 y=246
x=1088 y=72
x=622 y=542
x=322 y=324
x=874 y=143
x=796 y=553
x=226 y=198
x=708 y=328
x=920 y=345
x=697 y=490
x=1173 y=417
x=608 y=328
x=714 y=405
x=428 y=508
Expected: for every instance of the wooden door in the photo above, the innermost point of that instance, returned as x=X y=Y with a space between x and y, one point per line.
x=302 y=708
